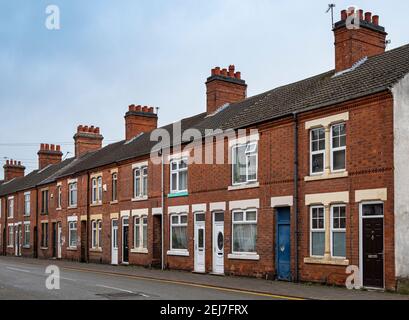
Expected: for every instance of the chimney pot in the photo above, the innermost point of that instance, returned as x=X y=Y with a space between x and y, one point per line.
x=138 y=108
x=58 y=147
x=150 y=110
x=361 y=14
x=224 y=72
x=351 y=11
x=217 y=71
x=19 y=163
x=7 y=162
x=47 y=146
x=52 y=147
x=375 y=20
x=237 y=75
x=231 y=71
x=145 y=109
x=368 y=17
x=344 y=15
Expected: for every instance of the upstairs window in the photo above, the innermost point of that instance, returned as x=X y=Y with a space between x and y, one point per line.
x=27 y=204
x=338 y=147
x=244 y=157
x=114 y=187
x=96 y=190
x=178 y=175
x=140 y=182
x=59 y=197
x=72 y=194
x=44 y=201
x=10 y=212
x=317 y=151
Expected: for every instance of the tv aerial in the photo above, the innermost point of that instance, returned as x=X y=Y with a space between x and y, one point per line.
x=331 y=7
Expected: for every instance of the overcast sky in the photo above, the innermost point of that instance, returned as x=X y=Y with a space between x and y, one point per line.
x=109 y=54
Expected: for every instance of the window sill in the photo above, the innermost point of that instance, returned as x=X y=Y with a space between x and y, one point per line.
x=114 y=202
x=26 y=216
x=96 y=204
x=178 y=253
x=139 y=199
x=72 y=249
x=10 y=247
x=139 y=250
x=251 y=185
x=26 y=247
x=72 y=207
x=43 y=248
x=9 y=218
x=327 y=176
x=58 y=209
x=178 y=194
x=324 y=261
x=247 y=256
x=97 y=250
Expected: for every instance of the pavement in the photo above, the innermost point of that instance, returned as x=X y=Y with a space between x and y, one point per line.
x=25 y=279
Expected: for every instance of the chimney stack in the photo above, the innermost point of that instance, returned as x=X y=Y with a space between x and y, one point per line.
x=357 y=41
x=139 y=119
x=224 y=86
x=87 y=139
x=13 y=169
x=49 y=154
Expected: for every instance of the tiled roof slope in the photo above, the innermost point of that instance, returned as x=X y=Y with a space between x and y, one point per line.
x=376 y=74
x=31 y=180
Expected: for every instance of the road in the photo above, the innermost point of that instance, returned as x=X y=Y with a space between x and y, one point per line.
x=22 y=281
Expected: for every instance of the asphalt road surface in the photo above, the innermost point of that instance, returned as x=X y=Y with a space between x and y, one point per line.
x=23 y=281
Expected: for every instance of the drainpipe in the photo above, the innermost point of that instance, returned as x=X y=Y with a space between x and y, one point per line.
x=36 y=227
x=162 y=190
x=295 y=115
x=88 y=217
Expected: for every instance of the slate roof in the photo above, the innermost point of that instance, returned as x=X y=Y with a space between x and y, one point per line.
x=374 y=75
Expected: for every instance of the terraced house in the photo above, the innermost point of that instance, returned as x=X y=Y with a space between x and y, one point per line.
x=318 y=183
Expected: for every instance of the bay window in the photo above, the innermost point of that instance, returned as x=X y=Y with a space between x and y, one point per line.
x=244 y=231
x=178 y=234
x=244 y=157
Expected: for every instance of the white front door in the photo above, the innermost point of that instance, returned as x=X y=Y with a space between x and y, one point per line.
x=114 y=242
x=218 y=243
x=59 y=244
x=200 y=242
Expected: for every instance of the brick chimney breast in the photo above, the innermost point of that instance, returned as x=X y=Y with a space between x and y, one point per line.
x=13 y=169
x=352 y=45
x=87 y=138
x=139 y=119
x=224 y=86
x=49 y=154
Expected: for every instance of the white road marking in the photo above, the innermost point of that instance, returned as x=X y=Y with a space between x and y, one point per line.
x=113 y=288
x=17 y=269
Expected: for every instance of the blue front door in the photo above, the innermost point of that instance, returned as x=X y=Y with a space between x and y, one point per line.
x=283 y=244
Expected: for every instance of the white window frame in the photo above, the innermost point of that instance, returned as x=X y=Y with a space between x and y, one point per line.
x=10 y=238
x=141 y=169
x=333 y=150
x=114 y=186
x=27 y=226
x=94 y=190
x=59 y=197
x=45 y=201
x=27 y=209
x=71 y=228
x=313 y=153
x=141 y=226
x=99 y=189
x=318 y=230
x=335 y=230
x=96 y=234
x=72 y=188
x=10 y=208
x=249 y=153
x=179 y=224
x=246 y=222
x=177 y=171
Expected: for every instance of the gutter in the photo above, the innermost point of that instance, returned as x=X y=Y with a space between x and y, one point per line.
x=295 y=115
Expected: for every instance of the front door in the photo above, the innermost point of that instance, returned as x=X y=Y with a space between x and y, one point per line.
x=218 y=243
x=125 y=245
x=283 y=244
x=372 y=245
x=114 y=242
x=59 y=241
x=200 y=242
x=83 y=241
x=55 y=239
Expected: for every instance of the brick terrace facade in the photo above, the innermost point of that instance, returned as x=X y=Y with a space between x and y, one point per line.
x=82 y=230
